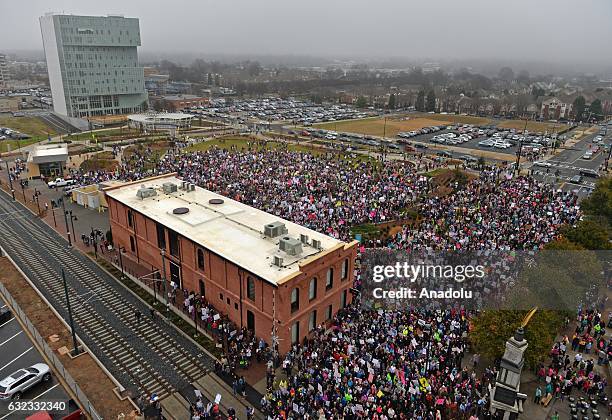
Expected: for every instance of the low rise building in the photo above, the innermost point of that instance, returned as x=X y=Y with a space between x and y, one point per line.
x=47 y=160
x=269 y=275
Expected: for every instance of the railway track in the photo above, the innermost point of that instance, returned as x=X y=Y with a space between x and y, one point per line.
x=145 y=355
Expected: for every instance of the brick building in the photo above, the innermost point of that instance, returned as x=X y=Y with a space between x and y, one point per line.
x=252 y=266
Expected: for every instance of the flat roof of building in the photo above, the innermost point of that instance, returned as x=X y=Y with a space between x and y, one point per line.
x=231 y=229
x=149 y=117
x=48 y=152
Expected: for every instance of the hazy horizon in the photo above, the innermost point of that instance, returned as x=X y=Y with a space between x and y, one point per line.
x=549 y=31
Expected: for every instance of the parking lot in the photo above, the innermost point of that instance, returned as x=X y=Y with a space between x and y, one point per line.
x=276 y=109
x=17 y=351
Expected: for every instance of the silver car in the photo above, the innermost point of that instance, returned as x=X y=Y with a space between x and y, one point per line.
x=18 y=382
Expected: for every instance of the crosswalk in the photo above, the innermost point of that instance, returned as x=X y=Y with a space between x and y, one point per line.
x=139 y=351
x=561 y=178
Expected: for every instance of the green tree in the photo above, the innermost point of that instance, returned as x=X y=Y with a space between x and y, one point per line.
x=492 y=328
x=596 y=110
x=420 y=101
x=431 y=101
x=578 y=107
x=599 y=203
x=361 y=102
x=591 y=233
x=392 y=101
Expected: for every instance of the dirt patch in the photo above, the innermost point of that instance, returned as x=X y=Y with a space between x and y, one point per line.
x=85 y=371
x=444 y=180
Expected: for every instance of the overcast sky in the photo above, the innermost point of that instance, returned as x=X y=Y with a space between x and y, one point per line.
x=543 y=30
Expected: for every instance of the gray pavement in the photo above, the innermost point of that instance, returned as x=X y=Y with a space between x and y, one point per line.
x=17 y=351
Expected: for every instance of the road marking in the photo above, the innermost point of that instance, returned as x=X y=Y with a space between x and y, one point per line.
x=12 y=319
x=9 y=363
x=35 y=398
x=9 y=339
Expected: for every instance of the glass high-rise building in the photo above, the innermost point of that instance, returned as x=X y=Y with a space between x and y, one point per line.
x=93 y=64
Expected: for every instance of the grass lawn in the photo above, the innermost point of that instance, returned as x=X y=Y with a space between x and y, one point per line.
x=457 y=119
x=31 y=126
x=102 y=161
x=103 y=135
x=532 y=126
x=376 y=126
x=242 y=143
x=4 y=144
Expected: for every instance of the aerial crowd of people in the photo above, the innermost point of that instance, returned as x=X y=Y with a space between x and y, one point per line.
x=381 y=364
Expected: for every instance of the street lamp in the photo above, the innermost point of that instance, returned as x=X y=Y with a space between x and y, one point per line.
x=66 y=221
x=8 y=173
x=121 y=251
x=163 y=255
x=22 y=183
x=36 y=194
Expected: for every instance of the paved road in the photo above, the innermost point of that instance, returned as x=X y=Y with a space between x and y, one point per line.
x=569 y=162
x=17 y=352
x=146 y=356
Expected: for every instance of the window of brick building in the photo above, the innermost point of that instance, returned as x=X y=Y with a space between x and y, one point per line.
x=200 y=259
x=295 y=300
x=330 y=279
x=312 y=289
x=312 y=321
x=251 y=288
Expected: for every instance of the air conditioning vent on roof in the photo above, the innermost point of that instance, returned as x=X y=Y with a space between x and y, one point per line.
x=304 y=239
x=145 y=192
x=274 y=229
x=278 y=261
x=215 y=201
x=290 y=245
x=180 y=210
x=316 y=244
x=169 y=187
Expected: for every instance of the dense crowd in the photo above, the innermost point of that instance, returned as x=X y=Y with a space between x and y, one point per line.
x=377 y=364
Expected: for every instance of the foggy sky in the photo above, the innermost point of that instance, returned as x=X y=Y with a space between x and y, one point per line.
x=556 y=31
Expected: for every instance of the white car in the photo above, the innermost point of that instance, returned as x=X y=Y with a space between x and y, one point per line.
x=542 y=163
x=588 y=155
x=60 y=182
x=14 y=385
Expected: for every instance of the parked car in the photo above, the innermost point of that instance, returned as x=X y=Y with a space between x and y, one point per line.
x=542 y=163
x=592 y=173
x=588 y=155
x=576 y=179
x=14 y=385
x=60 y=182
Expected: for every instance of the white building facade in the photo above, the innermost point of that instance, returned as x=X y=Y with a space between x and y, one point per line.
x=92 y=63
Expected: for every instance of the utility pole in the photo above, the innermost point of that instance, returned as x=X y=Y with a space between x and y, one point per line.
x=76 y=351
x=520 y=149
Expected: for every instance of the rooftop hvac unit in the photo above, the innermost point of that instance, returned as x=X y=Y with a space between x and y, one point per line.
x=169 y=187
x=290 y=245
x=184 y=185
x=274 y=229
x=145 y=192
x=278 y=261
x=191 y=187
x=316 y=244
x=304 y=239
